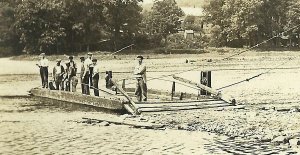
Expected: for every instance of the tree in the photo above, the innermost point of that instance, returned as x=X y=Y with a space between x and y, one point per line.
x=37 y=24
x=123 y=17
x=84 y=23
x=164 y=19
x=247 y=22
x=9 y=40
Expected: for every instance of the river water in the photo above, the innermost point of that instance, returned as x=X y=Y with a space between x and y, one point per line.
x=37 y=126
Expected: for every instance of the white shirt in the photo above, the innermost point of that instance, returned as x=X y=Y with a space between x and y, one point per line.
x=58 y=69
x=96 y=69
x=140 y=71
x=44 y=62
x=87 y=63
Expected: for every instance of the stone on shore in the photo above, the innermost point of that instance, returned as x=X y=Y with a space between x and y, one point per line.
x=294 y=142
x=280 y=140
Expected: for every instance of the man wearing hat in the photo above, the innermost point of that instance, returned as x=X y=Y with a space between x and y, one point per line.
x=43 y=65
x=81 y=75
x=71 y=75
x=58 y=73
x=95 y=76
x=88 y=71
x=140 y=75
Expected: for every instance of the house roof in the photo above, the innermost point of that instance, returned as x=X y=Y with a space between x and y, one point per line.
x=189 y=31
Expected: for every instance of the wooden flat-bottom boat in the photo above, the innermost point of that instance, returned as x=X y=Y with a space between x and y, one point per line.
x=123 y=99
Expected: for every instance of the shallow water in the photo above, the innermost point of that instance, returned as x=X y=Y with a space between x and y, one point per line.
x=36 y=126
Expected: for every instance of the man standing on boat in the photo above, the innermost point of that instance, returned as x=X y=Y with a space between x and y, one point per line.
x=95 y=75
x=140 y=75
x=88 y=71
x=81 y=75
x=58 y=75
x=43 y=65
x=71 y=75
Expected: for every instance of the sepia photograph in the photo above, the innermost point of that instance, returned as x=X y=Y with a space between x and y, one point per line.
x=150 y=77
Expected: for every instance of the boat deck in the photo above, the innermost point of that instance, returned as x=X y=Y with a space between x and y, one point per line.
x=124 y=99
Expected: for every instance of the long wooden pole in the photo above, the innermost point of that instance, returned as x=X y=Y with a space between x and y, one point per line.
x=133 y=108
x=212 y=91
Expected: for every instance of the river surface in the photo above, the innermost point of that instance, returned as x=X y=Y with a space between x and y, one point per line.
x=37 y=126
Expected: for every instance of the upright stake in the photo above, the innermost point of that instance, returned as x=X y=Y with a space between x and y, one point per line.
x=123 y=84
x=173 y=90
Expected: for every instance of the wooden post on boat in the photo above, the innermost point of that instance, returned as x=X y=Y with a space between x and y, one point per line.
x=108 y=79
x=181 y=96
x=132 y=108
x=173 y=90
x=205 y=80
x=208 y=89
x=123 y=83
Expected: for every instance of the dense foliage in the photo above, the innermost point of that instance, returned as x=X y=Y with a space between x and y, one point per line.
x=60 y=26
x=248 y=22
x=54 y=26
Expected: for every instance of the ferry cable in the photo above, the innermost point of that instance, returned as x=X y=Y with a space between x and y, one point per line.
x=253 y=77
x=226 y=58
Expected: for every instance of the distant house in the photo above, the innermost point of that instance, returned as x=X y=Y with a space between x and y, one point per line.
x=189 y=34
x=194 y=20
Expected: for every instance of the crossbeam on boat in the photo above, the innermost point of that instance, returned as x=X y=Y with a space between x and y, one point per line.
x=208 y=89
x=132 y=107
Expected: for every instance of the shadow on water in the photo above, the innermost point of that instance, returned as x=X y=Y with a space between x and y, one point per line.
x=245 y=147
x=33 y=103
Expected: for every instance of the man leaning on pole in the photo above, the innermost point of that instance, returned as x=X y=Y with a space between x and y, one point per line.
x=141 y=81
x=87 y=74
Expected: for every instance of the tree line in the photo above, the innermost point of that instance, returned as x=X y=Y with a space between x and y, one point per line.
x=239 y=23
x=61 y=26
x=55 y=26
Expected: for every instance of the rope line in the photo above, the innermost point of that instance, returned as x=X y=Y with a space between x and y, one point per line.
x=255 y=76
x=246 y=50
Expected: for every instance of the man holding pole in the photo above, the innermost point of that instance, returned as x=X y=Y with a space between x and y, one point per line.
x=95 y=75
x=88 y=71
x=140 y=75
x=82 y=68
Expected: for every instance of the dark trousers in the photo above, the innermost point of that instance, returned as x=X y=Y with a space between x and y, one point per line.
x=59 y=82
x=44 y=76
x=67 y=86
x=141 y=90
x=91 y=75
x=82 y=85
x=95 y=84
x=86 y=84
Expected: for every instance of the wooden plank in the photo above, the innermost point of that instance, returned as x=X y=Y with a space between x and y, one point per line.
x=180 y=104
x=127 y=122
x=210 y=90
x=179 y=101
x=182 y=108
x=152 y=92
x=133 y=106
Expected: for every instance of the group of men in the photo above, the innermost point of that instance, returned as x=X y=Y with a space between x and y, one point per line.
x=89 y=75
x=65 y=78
